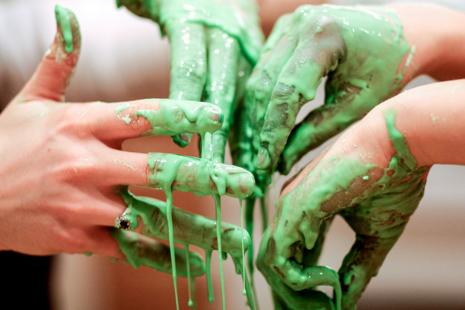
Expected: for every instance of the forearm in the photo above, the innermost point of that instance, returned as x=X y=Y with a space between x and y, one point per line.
x=437 y=35
x=432 y=119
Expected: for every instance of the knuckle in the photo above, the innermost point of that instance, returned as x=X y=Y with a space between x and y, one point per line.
x=73 y=120
x=75 y=167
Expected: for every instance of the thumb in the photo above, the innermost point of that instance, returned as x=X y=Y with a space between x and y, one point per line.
x=54 y=72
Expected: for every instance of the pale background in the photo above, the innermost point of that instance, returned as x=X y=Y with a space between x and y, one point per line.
x=123 y=57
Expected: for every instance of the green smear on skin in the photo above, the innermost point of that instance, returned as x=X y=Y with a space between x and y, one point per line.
x=63 y=17
x=143 y=251
x=199 y=176
x=376 y=202
x=199 y=231
x=183 y=116
x=174 y=116
x=398 y=140
x=370 y=70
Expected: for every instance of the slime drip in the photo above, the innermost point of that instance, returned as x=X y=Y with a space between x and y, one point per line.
x=189 y=227
x=190 y=302
x=220 y=248
x=208 y=267
x=169 y=219
x=242 y=249
x=249 y=211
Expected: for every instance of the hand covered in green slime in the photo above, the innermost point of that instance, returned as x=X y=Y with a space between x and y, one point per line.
x=191 y=229
x=375 y=190
x=214 y=44
x=362 y=52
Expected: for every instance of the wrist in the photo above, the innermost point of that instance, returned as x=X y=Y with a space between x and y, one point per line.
x=433 y=31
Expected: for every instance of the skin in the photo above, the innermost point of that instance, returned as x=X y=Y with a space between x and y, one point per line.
x=71 y=160
x=213 y=46
x=313 y=42
x=295 y=59
x=150 y=215
x=374 y=181
x=305 y=46
x=374 y=177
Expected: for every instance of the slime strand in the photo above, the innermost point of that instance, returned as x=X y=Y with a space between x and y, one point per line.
x=169 y=218
x=208 y=267
x=190 y=303
x=220 y=249
x=242 y=249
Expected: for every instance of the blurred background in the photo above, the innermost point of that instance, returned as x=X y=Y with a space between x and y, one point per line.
x=123 y=57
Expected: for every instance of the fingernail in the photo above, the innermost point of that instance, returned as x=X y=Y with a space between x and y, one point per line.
x=263 y=158
x=210 y=118
x=240 y=182
x=215 y=114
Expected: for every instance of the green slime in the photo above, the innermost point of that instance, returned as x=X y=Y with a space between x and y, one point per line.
x=362 y=51
x=210 y=42
x=198 y=175
x=187 y=228
x=372 y=58
x=143 y=251
x=239 y=19
x=63 y=17
x=376 y=202
x=174 y=116
x=183 y=21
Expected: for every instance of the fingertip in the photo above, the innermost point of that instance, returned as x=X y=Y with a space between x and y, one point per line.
x=67 y=29
x=263 y=159
x=210 y=118
x=241 y=183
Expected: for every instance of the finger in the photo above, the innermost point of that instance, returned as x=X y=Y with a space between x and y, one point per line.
x=176 y=172
x=223 y=57
x=97 y=208
x=299 y=279
x=188 y=228
x=54 y=72
x=288 y=298
x=347 y=105
x=100 y=241
x=265 y=75
x=188 y=64
x=240 y=139
x=119 y=121
x=314 y=56
x=362 y=263
x=140 y=250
